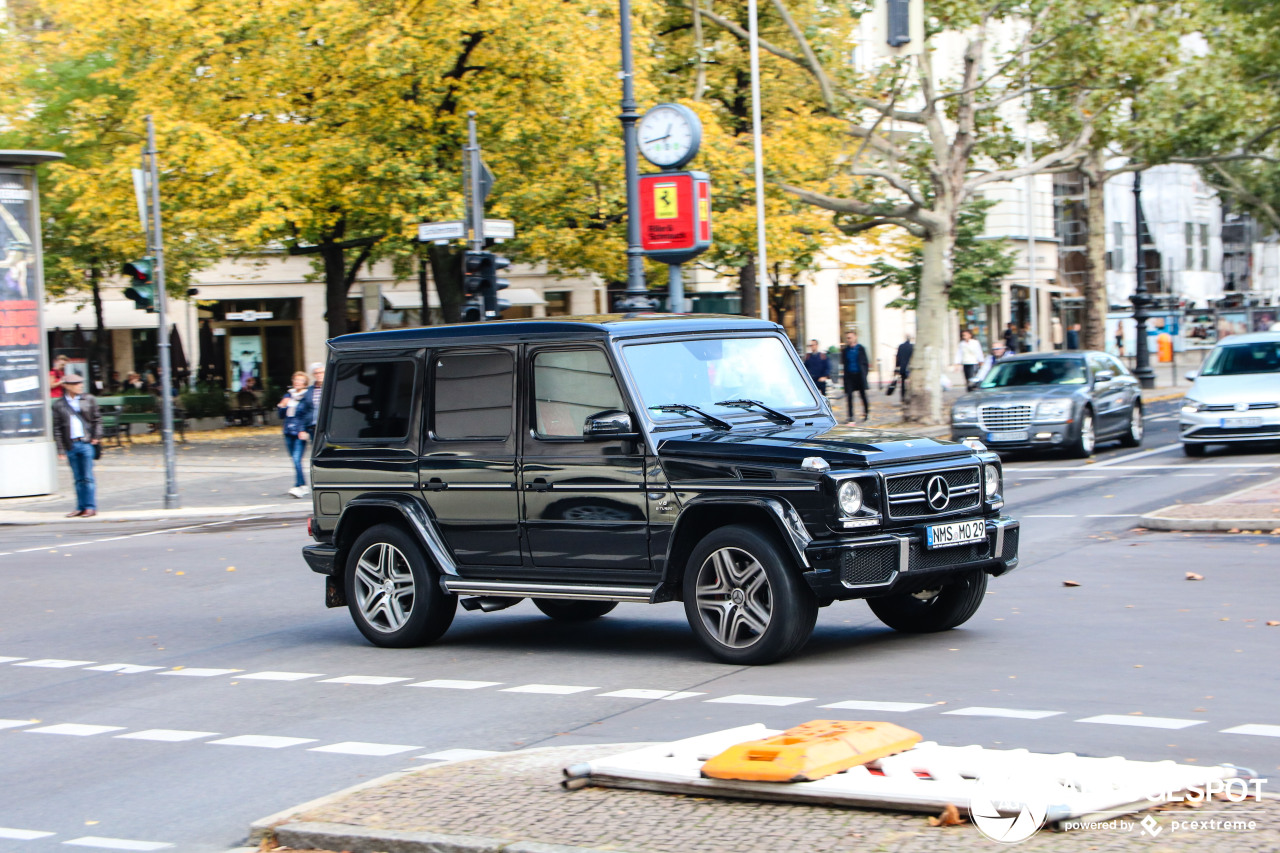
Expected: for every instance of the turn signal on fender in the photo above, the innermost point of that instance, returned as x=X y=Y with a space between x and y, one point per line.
x=812 y=751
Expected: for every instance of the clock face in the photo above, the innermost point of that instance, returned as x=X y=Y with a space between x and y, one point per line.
x=669 y=135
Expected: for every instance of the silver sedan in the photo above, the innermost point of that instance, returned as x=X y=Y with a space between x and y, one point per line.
x=1236 y=394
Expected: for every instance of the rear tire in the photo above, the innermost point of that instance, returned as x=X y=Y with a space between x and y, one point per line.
x=951 y=605
x=745 y=599
x=1196 y=450
x=393 y=591
x=1133 y=436
x=1087 y=439
x=573 y=611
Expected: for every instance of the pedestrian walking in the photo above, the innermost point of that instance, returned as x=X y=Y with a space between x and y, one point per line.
x=1073 y=337
x=295 y=410
x=855 y=366
x=1011 y=339
x=902 y=365
x=77 y=430
x=317 y=388
x=997 y=353
x=969 y=356
x=56 y=373
x=816 y=362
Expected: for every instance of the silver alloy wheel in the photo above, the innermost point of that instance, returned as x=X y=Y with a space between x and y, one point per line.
x=384 y=587
x=734 y=599
x=1136 y=425
x=1087 y=438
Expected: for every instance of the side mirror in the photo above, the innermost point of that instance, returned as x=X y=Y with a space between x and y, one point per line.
x=1103 y=376
x=610 y=423
x=1190 y=375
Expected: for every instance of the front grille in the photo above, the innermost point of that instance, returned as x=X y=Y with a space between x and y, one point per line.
x=1005 y=418
x=863 y=566
x=1010 y=544
x=907 y=497
x=1231 y=407
x=923 y=558
x=1235 y=432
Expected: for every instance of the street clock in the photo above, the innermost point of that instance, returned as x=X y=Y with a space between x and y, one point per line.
x=669 y=135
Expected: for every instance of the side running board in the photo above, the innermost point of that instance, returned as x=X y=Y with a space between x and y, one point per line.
x=533 y=589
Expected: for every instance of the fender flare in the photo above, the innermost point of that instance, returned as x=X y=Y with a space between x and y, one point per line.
x=416 y=518
x=786 y=520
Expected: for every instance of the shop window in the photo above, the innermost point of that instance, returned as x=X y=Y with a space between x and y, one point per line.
x=557 y=303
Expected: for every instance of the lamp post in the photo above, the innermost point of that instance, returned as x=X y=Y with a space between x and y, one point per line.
x=637 y=296
x=1141 y=356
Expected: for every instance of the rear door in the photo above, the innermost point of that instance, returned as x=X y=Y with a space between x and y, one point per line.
x=1109 y=398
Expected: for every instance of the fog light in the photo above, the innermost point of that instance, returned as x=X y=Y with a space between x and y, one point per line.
x=1057 y=438
x=1041 y=436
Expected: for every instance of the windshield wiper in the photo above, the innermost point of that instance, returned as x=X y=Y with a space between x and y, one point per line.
x=682 y=409
x=772 y=414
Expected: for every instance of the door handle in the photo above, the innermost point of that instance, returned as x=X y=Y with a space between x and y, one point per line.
x=435 y=484
x=539 y=484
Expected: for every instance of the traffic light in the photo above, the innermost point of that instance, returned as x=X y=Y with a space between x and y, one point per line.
x=493 y=307
x=473 y=264
x=142 y=290
x=473 y=310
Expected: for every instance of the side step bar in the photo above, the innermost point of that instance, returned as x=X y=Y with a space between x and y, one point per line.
x=533 y=589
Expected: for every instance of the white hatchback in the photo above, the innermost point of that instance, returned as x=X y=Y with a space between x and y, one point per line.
x=1236 y=394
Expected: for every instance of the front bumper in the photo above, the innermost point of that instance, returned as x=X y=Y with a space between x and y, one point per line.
x=899 y=561
x=1039 y=436
x=1218 y=427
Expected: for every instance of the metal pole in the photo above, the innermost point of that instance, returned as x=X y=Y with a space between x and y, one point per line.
x=477 y=203
x=675 y=289
x=1032 y=294
x=192 y=358
x=1141 y=357
x=637 y=298
x=762 y=250
x=166 y=380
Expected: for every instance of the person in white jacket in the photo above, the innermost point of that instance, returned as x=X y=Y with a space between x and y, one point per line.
x=969 y=356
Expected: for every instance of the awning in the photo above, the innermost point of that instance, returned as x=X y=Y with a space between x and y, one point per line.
x=116 y=314
x=402 y=300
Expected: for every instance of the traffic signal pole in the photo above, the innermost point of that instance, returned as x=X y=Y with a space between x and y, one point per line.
x=155 y=237
x=477 y=201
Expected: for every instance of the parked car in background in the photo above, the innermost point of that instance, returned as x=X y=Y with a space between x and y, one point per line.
x=1052 y=401
x=1235 y=398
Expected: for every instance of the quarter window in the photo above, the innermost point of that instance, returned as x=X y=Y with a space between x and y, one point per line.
x=371 y=400
x=474 y=395
x=569 y=386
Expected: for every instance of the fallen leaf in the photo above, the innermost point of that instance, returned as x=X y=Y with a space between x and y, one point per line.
x=950 y=817
x=1234 y=530
x=1192 y=576
x=231 y=568
x=1071 y=583
x=1271 y=623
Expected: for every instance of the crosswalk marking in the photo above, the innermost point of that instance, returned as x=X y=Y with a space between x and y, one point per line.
x=199 y=672
x=864 y=705
x=22 y=834
x=117 y=843
x=551 y=689
x=363 y=679
x=1010 y=713
x=75 y=729
x=167 y=735
x=1253 y=729
x=280 y=676
x=1141 y=722
x=352 y=747
x=125 y=668
x=54 y=663
x=455 y=684
x=13 y=724
x=9 y=660
x=263 y=741
x=751 y=699
x=637 y=693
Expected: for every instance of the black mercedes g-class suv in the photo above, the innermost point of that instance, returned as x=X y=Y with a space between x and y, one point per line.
x=581 y=462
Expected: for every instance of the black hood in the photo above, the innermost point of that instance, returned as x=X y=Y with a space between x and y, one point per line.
x=841 y=446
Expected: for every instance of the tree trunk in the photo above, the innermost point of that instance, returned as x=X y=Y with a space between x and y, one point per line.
x=1093 y=332
x=100 y=337
x=446 y=270
x=930 y=359
x=335 y=286
x=424 y=316
x=749 y=288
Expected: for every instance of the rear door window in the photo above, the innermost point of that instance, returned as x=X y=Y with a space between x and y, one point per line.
x=372 y=400
x=474 y=396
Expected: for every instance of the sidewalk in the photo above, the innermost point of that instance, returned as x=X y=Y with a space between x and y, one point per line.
x=513 y=803
x=233 y=471
x=1255 y=509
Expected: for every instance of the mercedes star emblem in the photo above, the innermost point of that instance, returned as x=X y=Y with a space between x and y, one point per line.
x=938 y=493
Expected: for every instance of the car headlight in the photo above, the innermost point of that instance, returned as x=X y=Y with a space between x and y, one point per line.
x=992 y=481
x=1190 y=406
x=849 y=497
x=1053 y=410
x=964 y=413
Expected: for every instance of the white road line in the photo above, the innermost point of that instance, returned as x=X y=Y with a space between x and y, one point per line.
x=1195 y=475
x=1136 y=477
x=10 y=660
x=1049 y=516
x=750 y=699
x=54 y=663
x=199 y=672
x=1129 y=457
x=1141 y=722
x=1070 y=479
x=76 y=729
x=457 y=754
x=889 y=707
x=1253 y=729
x=167 y=735
x=63 y=545
x=123 y=668
x=455 y=684
x=640 y=693
x=1009 y=713
x=553 y=689
x=271 y=675
x=263 y=741
x=1117 y=515
x=22 y=834
x=1033 y=478
x=364 y=679
x=13 y=724
x=352 y=747
x=117 y=843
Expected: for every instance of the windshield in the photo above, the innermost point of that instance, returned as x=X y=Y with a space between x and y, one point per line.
x=1040 y=371
x=1259 y=357
x=706 y=371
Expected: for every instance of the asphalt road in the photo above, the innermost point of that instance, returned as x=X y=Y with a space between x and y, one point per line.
x=241 y=694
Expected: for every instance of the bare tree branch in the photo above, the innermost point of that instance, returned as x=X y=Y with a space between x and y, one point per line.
x=850 y=205
x=895 y=180
x=815 y=67
x=1232 y=186
x=880 y=222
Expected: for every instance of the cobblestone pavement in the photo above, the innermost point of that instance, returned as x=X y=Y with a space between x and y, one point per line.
x=517 y=797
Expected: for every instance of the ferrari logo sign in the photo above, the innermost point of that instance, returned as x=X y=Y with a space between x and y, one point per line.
x=675 y=215
x=665 y=203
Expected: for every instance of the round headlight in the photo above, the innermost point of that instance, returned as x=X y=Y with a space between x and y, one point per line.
x=850 y=497
x=992 y=481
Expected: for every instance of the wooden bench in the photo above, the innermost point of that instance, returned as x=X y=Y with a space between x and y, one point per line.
x=119 y=414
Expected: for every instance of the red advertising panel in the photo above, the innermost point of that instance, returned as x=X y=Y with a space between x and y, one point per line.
x=675 y=215
x=22 y=395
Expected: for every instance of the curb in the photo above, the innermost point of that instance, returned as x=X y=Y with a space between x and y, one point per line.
x=264 y=827
x=1208 y=525
x=1165 y=397
x=21 y=518
x=356 y=839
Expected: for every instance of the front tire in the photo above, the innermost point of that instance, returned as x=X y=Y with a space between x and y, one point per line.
x=928 y=611
x=1087 y=438
x=573 y=611
x=393 y=592
x=1133 y=437
x=1196 y=450
x=744 y=598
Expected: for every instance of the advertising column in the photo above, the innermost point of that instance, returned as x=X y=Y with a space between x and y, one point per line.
x=27 y=453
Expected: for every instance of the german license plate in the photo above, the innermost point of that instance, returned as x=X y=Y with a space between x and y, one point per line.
x=955 y=533
x=1237 y=423
x=1021 y=435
